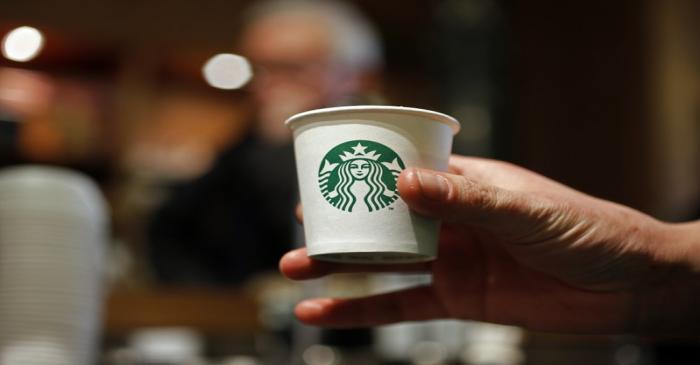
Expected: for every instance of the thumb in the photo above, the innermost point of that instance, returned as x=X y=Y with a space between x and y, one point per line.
x=461 y=200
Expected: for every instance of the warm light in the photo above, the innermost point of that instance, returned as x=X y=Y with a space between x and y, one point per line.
x=22 y=44
x=227 y=71
x=428 y=353
x=319 y=355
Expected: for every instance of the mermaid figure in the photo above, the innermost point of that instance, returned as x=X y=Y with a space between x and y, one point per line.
x=356 y=171
x=359 y=176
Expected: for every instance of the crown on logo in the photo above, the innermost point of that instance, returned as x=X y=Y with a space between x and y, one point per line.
x=359 y=152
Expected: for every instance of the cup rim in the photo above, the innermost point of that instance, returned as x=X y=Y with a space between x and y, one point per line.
x=293 y=121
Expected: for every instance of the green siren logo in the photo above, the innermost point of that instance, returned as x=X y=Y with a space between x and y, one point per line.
x=360 y=170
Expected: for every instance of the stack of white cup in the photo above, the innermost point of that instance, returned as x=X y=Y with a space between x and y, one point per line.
x=52 y=237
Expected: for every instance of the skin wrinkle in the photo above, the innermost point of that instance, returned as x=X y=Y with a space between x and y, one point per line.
x=677 y=251
x=582 y=239
x=498 y=200
x=499 y=174
x=470 y=194
x=549 y=218
x=620 y=253
x=580 y=236
x=628 y=257
x=542 y=256
x=497 y=315
x=629 y=254
x=661 y=281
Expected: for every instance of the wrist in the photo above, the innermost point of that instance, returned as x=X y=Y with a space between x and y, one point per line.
x=687 y=235
x=668 y=305
x=676 y=251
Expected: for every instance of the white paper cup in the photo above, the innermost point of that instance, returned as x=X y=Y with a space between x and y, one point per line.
x=348 y=160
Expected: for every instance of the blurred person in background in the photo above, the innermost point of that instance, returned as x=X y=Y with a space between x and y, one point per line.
x=237 y=219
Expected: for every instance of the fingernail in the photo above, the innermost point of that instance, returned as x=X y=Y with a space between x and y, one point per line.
x=310 y=307
x=432 y=185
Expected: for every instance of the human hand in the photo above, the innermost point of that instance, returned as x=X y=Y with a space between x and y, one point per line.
x=516 y=248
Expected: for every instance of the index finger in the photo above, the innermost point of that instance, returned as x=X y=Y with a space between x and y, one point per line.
x=297 y=265
x=299 y=213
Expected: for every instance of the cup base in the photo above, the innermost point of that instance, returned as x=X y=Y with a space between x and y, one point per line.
x=383 y=257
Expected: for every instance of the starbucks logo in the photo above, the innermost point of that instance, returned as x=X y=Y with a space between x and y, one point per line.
x=360 y=175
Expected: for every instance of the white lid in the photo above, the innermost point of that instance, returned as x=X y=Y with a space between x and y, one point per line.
x=429 y=114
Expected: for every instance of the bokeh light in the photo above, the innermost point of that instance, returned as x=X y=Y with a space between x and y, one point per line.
x=22 y=44
x=227 y=71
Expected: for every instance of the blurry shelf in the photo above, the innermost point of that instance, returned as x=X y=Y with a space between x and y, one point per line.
x=209 y=311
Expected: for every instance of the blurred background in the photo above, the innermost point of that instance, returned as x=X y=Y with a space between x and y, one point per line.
x=174 y=108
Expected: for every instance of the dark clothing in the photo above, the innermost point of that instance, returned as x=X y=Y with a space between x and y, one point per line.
x=9 y=141
x=234 y=221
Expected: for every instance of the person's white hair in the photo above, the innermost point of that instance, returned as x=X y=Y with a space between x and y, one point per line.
x=354 y=40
